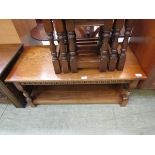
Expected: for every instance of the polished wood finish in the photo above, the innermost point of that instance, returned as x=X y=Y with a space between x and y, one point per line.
x=79 y=94
x=62 y=39
x=48 y=26
x=122 y=55
x=34 y=65
x=81 y=50
x=93 y=48
x=117 y=26
x=9 y=53
x=143 y=45
x=105 y=48
x=104 y=51
x=36 y=76
x=34 y=69
x=72 y=45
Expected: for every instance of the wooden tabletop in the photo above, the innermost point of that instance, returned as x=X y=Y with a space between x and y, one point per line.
x=35 y=65
x=7 y=53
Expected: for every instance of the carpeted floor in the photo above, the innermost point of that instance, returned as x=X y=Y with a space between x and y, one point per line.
x=137 y=118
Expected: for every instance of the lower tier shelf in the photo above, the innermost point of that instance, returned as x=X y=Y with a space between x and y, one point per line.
x=79 y=94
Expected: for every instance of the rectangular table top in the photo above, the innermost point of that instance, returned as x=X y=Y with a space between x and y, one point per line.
x=35 y=65
x=7 y=53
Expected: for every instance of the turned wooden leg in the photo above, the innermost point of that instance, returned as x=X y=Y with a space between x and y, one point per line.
x=114 y=54
x=104 y=57
x=70 y=26
x=104 y=51
x=117 y=25
x=11 y=95
x=113 y=60
x=54 y=53
x=63 y=52
x=125 y=97
x=60 y=27
x=55 y=60
x=25 y=93
x=48 y=26
x=72 y=51
x=124 y=46
x=121 y=59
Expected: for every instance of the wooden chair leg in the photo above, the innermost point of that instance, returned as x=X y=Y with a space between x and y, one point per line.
x=124 y=46
x=55 y=59
x=62 y=40
x=63 y=52
x=70 y=26
x=113 y=60
x=56 y=65
x=121 y=60
x=48 y=26
x=72 y=49
x=104 y=55
x=118 y=24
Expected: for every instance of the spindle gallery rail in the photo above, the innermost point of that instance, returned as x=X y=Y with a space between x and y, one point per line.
x=87 y=44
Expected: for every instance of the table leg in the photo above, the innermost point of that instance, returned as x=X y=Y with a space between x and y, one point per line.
x=133 y=84
x=10 y=95
x=125 y=97
x=25 y=93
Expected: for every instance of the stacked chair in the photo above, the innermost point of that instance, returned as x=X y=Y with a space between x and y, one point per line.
x=88 y=44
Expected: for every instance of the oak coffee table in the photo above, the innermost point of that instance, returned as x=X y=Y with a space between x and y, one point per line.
x=33 y=75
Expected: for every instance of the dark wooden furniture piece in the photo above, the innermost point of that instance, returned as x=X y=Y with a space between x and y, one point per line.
x=98 y=49
x=34 y=75
x=143 y=45
x=8 y=56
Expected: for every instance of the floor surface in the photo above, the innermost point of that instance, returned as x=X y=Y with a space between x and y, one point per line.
x=137 y=118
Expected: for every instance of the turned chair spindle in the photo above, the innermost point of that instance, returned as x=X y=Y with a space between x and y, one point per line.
x=62 y=40
x=99 y=49
x=104 y=51
x=72 y=45
x=117 y=25
x=124 y=45
x=48 y=26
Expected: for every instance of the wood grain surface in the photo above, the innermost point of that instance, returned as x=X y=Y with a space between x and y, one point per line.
x=35 y=65
x=77 y=94
x=7 y=53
